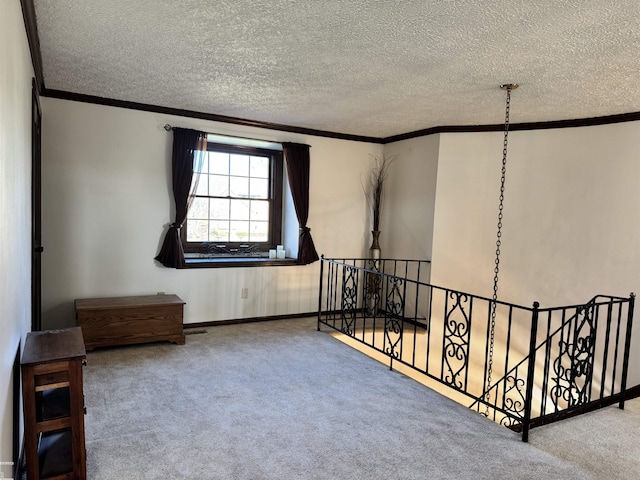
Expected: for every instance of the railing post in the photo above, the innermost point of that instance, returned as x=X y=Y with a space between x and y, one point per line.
x=320 y=290
x=627 y=348
x=531 y=370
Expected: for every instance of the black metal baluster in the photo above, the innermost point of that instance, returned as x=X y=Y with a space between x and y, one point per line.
x=526 y=420
x=415 y=321
x=334 y=293
x=444 y=321
x=615 y=354
x=545 y=371
x=429 y=311
x=486 y=395
x=320 y=290
x=627 y=347
x=506 y=360
x=558 y=368
x=466 y=373
x=592 y=354
x=362 y=299
x=605 y=360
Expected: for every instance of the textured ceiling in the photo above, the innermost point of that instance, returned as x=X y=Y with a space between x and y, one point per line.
x=364 y=67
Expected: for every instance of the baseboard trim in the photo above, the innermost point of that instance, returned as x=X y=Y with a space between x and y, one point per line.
x=236 y=321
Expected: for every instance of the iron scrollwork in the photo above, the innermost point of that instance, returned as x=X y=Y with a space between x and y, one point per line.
x=394 y=313
x=514 y=400
x=349 y=299
x=574 y=365
x=373 y=286
x=456 y=340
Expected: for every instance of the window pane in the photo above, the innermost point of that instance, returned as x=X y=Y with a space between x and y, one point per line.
x=205 y=164
x=219 y=209
x=218 y=186
x=219 y=231
x=259 y=232
x=239 y=186
x=199 y=209
x=235 y=201
x=259 y=188
x=219 y=163
x=197 y=230
x=239 y=231
x=260 y=167
x=259 y=210
x=203 y=185
x=239 y=165
x=240 y=209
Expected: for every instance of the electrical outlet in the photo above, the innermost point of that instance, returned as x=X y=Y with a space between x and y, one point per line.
x=245 y=293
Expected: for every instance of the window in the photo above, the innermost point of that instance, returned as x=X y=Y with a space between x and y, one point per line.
x=237 y=209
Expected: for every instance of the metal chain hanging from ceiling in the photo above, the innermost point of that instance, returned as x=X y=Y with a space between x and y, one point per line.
x=508 y=87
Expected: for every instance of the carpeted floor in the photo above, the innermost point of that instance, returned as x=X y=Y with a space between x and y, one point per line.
x=279 y=400
x=606 y=442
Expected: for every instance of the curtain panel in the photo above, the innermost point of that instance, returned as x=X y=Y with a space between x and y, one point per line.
x=297 y=159
x=189 y=150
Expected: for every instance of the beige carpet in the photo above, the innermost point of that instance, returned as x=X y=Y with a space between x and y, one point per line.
x=606 y=442
x=279 y=400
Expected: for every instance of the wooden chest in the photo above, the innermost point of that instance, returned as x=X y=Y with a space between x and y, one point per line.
x=107 y=322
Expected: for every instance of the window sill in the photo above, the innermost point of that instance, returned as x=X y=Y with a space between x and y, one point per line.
x=233 y=262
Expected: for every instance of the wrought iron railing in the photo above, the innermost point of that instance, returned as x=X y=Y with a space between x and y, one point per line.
x=549 y=362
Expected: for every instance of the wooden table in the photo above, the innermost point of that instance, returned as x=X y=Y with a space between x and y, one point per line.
x=107 y=322
x=53 y=401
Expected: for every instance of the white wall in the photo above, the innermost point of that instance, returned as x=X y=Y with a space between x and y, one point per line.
x=15 y=208
x=106 y=201
x=571 y=223
x=410 y=193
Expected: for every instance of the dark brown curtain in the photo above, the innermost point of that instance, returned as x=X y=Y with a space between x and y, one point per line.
x=189 y=148
x=296 y=156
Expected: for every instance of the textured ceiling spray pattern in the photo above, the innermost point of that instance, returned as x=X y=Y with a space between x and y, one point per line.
x=363 y=67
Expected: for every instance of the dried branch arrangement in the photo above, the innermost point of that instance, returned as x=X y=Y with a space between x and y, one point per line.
x=375 y=188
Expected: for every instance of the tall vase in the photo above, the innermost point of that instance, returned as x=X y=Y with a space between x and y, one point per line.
x=374 y=249
x=374 y=281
